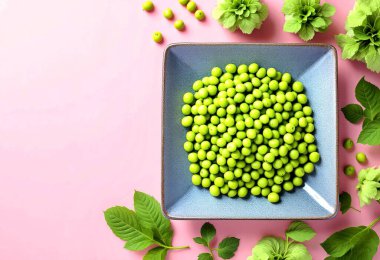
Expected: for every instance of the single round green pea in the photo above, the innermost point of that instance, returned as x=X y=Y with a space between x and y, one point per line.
x=199 y=15
x=196 y=179
x=273 y=197
x=157 y=37
x=361 y=157
x=349 y=170
x=168 y=13
x=261 y=73
x=183 y=2
x=297 y=181
x=191 y=6
x=308 y=167
x=219 y=182
x=265 y=192
x=179 y=25
x=272 y=72
x=286 y=77
x=214 y=191
x=148 y=6
x=242 y=192
x=348 y=144
x=232 y=193
x=297 y=86
x=187 y=121
x=288 y=186
x=314 y=157
x=262 y=182
x=231 y=68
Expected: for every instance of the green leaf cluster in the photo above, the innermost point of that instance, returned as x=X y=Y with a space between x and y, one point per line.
x=305 y=17
x=246 y=15
x=226 y=248
x=144 y=227
x=352 y=243
x=368 y=185
x=280 y=249
x=362 y=40
x=369 y=97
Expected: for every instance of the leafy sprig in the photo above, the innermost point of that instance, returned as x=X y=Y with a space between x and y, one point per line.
x=368 y=185
x=246 y=15
x=362 y=40
x=305 y=17
x=278 y=248
x=144 y=227
x=226 y=248
x=345 y=202
x=368 y=96
x=353 y=243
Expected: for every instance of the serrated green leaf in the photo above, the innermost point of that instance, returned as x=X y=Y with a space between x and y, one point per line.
x=306 y=33
x=360 y=33
x=208 y=232
x=345 y=202
x=373 y=59
x=267 y=248
x=297 y=252
x=227 y=247
x=365 y=245
x=290 y=7
x=300 y=231
x=205 y=256
x=318 y=22
x=228 y=20
x=353 y=113
x=200 y=240
x=368 y=95
x=149 y=214
x=157 y=253
x=291 y=25
x=124 y=224
x=371 y=133
x=327 y=10
x=339 y=243
x=248 y=25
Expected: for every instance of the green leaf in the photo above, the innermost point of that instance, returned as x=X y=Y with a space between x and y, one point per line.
x=306 y=33
x=208 y=232
x=368 y=95
x=327 y=10
x=318 y=22
x=364 y=248
x=157 y=253
x=227 y=247
x=124 y=224
x=200 y=240
x=350 y=48
x=353 y=113
x=149 y=213
x=205 y=256
x=228 y=20
x=341 y=242
x=297 y=252
x=291 y=25
x=247 y=25
x=345 y=202
x=373 y=59
x=267 y=248
x=290 y=7
x=300 y=231
x=371 y=133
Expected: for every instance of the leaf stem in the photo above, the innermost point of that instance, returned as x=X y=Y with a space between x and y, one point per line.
x=355 y=209
x=374 y=222
x=174 y=247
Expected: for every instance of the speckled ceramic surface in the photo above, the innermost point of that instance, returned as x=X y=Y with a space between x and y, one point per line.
x=315 y=66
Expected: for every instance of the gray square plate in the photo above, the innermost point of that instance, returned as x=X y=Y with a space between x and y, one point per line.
x=315 y=65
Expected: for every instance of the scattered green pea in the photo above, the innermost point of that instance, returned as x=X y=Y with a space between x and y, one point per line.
x=168 y=13
x=148 y=6
x=361 y=157
x=199 y=15
x=349 y=170
x=348 y=143
x=157 y=37
x=191 y=6
x=183 y=2
x=180 y=26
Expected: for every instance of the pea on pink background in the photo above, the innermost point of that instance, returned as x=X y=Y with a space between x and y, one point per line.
x=80 y=124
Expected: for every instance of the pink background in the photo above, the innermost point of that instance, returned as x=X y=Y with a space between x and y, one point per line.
x=80 y=91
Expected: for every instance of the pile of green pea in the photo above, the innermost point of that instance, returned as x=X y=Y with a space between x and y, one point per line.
x=250 y=130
